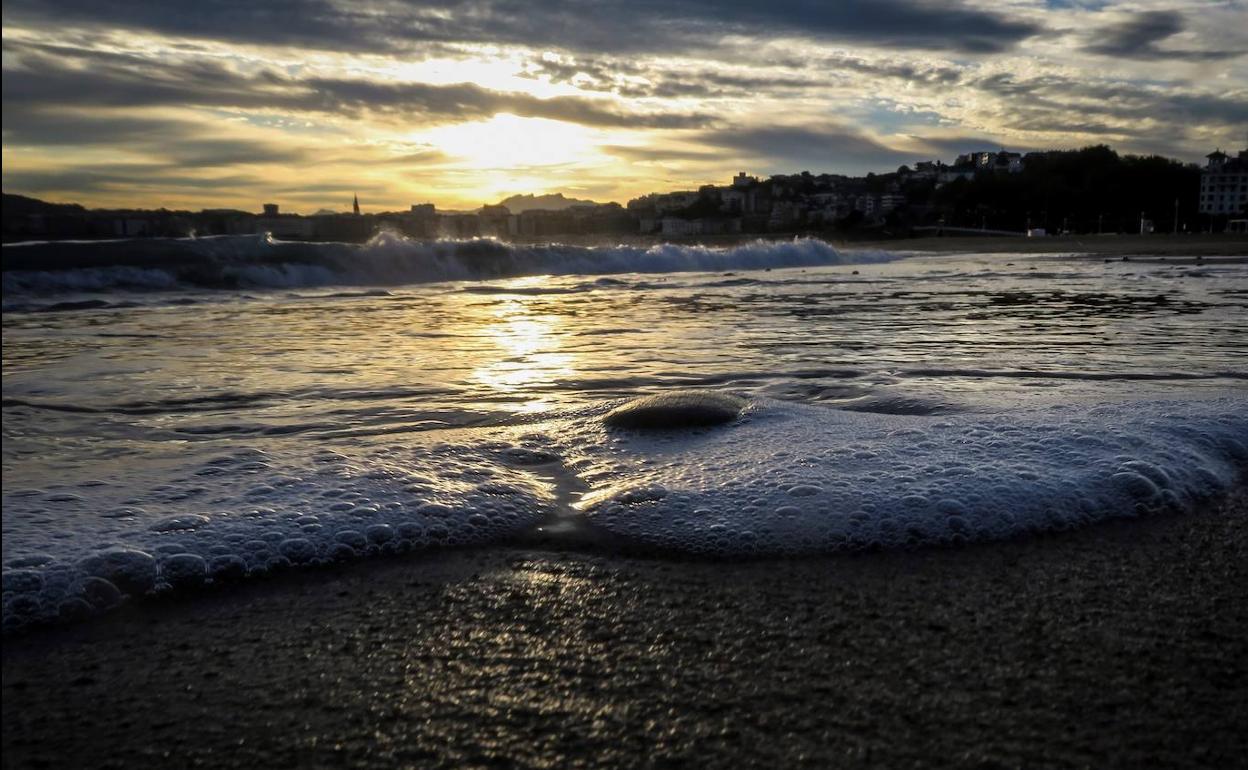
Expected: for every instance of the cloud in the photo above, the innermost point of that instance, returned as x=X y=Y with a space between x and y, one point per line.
x=127 y=178
x=598 y=25
x=816 y=148
x=945 y=147
x=1139 y=35
x=298 y=94
x=467 y=100
x=177 y=143
x=49 y=76
x=1066 y=100
x=629 y=79
x=651 y=154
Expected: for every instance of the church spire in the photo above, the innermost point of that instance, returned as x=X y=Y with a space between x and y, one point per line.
x=355 y=205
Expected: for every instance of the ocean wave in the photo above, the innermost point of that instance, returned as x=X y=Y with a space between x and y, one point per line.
x=262 y=262
x=782 y=479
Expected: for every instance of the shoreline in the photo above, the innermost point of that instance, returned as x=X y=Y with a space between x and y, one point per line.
x=1224 y=246
x=1192 y=244
x=1122 y=644
x=1156 y=245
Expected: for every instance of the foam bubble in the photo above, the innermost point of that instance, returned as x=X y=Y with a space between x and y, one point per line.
x=131 y=570
x=875 y=480
x=314 y=512
x=779 y=478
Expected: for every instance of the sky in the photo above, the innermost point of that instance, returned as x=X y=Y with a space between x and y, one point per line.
x=233 y=103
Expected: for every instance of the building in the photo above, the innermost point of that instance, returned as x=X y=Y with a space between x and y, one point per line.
x=785 y=215
x=998 y=162
x=955 y=172
x=732 y=200
x=743 y=180
x=494 y=221
x=459 y=226
x=286 y=227
x=675 y=201
x=866 y=204
x=543 y=222
x=341 y=228
x=1224 y=184
x=421 y=221
x=676 y=226
x=892 y=201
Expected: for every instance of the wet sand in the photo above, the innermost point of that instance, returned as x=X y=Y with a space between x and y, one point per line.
x=1122 y=645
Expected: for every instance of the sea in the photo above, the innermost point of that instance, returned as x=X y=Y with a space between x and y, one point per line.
x=180 y=414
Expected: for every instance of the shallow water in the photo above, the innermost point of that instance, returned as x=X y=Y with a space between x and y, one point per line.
x=165 y=434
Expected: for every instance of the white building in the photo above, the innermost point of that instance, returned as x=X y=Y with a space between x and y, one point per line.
x=1224 y=184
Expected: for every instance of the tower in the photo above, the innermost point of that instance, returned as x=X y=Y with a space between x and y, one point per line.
x=355 y=205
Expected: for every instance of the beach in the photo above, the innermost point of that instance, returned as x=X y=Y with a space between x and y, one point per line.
x=612 y=385
x=1118 y=645
x=370 y=508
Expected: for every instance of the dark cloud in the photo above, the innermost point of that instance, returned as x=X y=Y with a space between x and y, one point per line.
x=588 y=25
x=661 y=154
x=46 y=76
x=817 y=148
x=1139 y=36
x=467 y=100
x=952 y=146
x=176 y=143
x=1055 y=103
x=122 y=178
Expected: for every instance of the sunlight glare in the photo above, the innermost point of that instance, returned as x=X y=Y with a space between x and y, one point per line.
x=508 y=142
x=528 y=352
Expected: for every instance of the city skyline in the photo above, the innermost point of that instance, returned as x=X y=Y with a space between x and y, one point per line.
x=223 y=104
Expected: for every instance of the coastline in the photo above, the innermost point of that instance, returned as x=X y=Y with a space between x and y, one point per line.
x=1192 y=246
x=1222 y=246
x=1123 y=644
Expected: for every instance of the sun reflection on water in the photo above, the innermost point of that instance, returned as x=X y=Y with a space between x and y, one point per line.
x=525 y=353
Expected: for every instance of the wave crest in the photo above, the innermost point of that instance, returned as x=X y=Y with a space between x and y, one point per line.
x=389 y=259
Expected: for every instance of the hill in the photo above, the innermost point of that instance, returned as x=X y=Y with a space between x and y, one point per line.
x=21 y=205
x=549 y=202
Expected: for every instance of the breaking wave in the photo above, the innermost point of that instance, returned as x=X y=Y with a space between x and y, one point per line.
x=262 y=262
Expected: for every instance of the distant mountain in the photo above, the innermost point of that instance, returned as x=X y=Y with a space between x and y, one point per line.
x=551 y=202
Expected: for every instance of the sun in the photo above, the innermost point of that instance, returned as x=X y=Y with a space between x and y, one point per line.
x=508 y=142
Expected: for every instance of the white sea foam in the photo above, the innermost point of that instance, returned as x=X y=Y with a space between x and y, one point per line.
x=781 y=479
x=788 y=479
x=248 y=513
